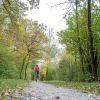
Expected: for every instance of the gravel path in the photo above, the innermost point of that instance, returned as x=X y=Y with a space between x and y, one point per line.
x=42 y=91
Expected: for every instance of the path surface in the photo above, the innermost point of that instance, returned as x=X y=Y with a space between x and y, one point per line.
x=42 y=91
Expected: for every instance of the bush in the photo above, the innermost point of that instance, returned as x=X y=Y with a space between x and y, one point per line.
x=8 y=68
x=51 y=74
x=66 y=71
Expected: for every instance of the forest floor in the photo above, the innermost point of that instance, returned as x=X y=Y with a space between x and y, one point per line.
x=43 y=91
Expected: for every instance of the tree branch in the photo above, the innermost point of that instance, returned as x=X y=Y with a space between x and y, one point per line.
x=61 y=4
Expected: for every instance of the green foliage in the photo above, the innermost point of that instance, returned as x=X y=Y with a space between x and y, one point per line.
x=73 y=41
x=67 y=71
x=51 y=74
x=8 y=68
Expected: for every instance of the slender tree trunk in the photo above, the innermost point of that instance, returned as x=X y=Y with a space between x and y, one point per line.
x=88 y=59
x=79 y=42
x=26 y=68
x=96 y=62
x=91 y=44
x=22 y=67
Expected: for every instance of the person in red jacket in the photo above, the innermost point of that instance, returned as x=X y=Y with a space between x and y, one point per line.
x=36 y=72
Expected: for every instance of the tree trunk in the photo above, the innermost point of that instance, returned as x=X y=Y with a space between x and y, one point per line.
x=22 y=67
x=26 y=68
x=91 y=44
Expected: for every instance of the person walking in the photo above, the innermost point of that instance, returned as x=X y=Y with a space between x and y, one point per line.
x=36 y=72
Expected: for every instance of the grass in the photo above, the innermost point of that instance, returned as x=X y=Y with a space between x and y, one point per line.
x=93 y=87
x=10 y=84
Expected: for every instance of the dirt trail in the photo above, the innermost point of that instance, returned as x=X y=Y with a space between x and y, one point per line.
x=42 y=91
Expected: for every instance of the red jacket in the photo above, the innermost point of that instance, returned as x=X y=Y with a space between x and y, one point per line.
x=36 y=68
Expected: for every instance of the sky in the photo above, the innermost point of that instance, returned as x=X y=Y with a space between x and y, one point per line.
x=51 y=16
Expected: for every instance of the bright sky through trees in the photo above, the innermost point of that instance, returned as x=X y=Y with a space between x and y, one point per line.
x=51 y=16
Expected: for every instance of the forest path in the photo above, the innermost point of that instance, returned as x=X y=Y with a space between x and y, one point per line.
x=42 y=91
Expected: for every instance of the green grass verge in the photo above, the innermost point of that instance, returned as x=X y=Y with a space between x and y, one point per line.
x=83 y=86
x=9 y=84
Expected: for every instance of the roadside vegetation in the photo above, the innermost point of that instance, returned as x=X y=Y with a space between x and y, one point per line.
x=9 y=85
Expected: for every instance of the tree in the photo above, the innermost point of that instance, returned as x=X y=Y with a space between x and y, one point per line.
x=71 y=39
x=93 y=60
x=78 y=39
x=22 y=45
x=32 y=42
